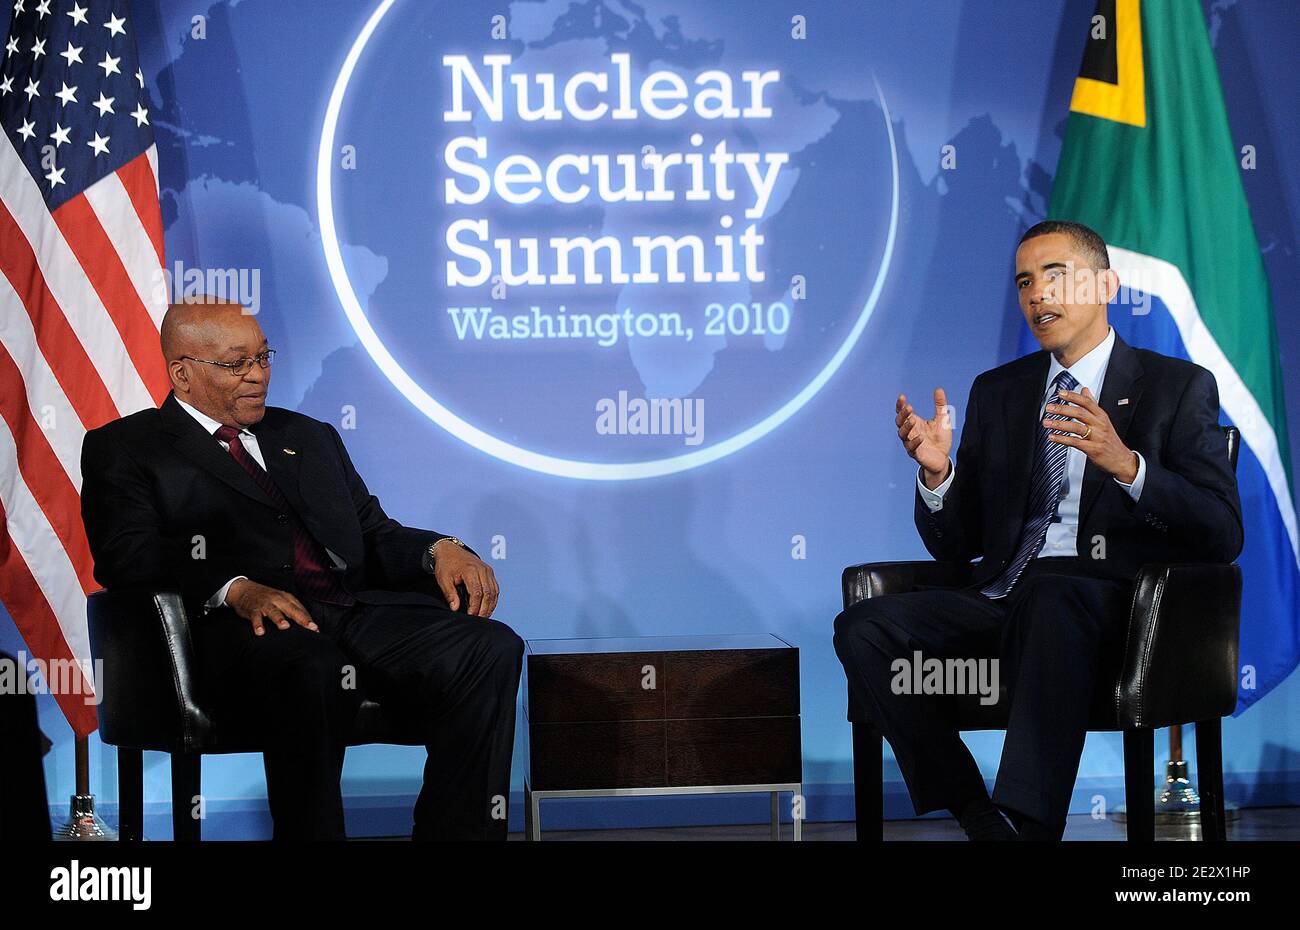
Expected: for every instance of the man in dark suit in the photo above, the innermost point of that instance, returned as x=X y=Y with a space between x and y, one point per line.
x=302 y=590
x=1077 y=465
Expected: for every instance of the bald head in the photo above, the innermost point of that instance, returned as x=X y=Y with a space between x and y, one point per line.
x=198 y=333
x=199 y=327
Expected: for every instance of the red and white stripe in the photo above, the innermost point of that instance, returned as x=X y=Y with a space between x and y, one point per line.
x=82 y=295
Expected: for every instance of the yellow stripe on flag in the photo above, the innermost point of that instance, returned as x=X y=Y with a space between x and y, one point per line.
x=1124 y=102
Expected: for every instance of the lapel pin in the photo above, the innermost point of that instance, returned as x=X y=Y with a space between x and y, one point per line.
x=1120 y=403
x=287 y=451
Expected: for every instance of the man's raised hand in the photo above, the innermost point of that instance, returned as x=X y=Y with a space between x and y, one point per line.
x=1090 y=429
x=927 y=441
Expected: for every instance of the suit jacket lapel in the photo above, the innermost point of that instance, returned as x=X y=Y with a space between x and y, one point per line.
x=201 y=447
x=1020 y=409
x=284 y=457
x=283 y=463
x=1123 y=380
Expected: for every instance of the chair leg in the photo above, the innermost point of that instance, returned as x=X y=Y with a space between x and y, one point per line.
x=187 y=778
x=868 y=781
x=130 y=795
x=1209 y=776
x=1139 y=784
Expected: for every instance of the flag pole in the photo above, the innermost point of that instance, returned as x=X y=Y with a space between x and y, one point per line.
x=1178 y=796
x=83 y=823
x=1178 y=802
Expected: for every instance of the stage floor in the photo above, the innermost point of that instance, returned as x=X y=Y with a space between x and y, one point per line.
x=1260 y=823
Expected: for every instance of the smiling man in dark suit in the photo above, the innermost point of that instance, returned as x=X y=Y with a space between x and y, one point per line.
x=301 y=589
x=1077 y=465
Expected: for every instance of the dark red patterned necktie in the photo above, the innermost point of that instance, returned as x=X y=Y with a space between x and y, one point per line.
x=311 y=575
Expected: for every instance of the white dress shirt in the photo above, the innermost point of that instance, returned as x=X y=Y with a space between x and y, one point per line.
x=1062 y=533
x=249 y=442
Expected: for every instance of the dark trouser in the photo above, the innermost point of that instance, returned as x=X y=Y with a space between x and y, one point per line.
x=1053 y=634
x=452 y=676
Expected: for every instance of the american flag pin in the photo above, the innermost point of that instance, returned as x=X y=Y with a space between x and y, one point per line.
x=1121 y=402
x=287 y=451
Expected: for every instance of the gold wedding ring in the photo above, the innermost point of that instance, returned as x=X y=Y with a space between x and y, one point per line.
x=1085 y=435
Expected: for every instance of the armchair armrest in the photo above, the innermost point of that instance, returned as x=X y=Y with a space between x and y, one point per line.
x=146 y=683
x=1180 y=661
x=875 y=579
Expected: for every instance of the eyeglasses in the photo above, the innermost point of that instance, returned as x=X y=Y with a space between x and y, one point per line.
x=240 y=366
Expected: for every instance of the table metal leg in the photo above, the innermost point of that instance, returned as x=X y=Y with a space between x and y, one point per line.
x=534 y=810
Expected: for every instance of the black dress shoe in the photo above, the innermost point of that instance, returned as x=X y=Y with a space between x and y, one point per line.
x=984 y=823
x=1031 y=831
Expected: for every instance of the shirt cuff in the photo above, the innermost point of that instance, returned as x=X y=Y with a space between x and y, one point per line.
x=1135 y=489
x=934 y=499
x=219 y=599
x=426 y=561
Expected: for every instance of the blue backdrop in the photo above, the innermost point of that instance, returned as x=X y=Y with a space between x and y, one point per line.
x=855 y=200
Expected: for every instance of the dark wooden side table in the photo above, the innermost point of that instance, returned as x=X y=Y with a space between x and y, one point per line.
x=661 y=715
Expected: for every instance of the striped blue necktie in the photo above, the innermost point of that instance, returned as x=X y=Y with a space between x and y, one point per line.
x=1044 y=495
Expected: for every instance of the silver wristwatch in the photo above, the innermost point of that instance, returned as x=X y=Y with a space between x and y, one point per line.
x=450 y=539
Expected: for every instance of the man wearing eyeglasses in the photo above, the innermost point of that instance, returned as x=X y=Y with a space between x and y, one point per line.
x=303 y=593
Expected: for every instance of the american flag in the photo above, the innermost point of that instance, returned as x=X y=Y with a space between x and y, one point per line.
x=81 y=256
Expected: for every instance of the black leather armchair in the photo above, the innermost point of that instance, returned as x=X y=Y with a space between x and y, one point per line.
x=150 y=698
x=1180 y=666
x=24 y=810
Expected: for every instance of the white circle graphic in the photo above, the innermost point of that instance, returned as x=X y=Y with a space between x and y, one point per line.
x=485 y=442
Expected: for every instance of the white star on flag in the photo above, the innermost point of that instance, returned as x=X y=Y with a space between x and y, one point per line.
x=73 y=54
x=104 y=104
x=115 y=25
x=27 y=129
x=109 y=64
x=31 y=90
x=141 y=115
x=55 y=177
x=67 y=95
x=60 y=136
x=78 y=14
x=99 y=144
